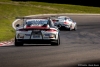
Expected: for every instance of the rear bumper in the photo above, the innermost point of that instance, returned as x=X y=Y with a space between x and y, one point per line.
x=63 y=26
x=67 y=26
x=36 y=41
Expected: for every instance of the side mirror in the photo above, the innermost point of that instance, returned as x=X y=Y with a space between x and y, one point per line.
x=17 y=25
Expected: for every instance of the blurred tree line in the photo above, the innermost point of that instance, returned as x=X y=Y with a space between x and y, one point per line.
x=94 y=3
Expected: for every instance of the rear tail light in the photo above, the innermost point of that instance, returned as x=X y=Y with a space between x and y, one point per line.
x=52 y=36
x=20 y=36
x=65 y=22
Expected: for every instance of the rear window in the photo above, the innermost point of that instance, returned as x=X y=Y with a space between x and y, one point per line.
x=61 y=19
x=37 y=22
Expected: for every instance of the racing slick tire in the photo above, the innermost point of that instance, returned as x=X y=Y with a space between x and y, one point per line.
x=57 y=42
x=75 y=28
x=18 y=43
x=69 y=29
x=59 y=26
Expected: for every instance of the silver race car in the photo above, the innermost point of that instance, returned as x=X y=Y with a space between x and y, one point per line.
x=37 y=31
x=65 y=22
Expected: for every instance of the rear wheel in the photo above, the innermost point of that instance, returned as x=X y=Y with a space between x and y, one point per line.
x=18 y=43
x=75 y=28
x=69 y=29
x=57 y=42
x=59 y=26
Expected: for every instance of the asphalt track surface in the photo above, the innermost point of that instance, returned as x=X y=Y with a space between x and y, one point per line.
x=79 y=48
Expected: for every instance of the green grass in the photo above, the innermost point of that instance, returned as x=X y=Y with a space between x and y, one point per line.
x=9 y=10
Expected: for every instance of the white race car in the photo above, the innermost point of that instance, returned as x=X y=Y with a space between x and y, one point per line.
x=37 y=31
x=65 y=22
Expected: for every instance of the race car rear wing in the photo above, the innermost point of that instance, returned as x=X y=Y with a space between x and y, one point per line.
x=24 y=19
x=32 y=18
